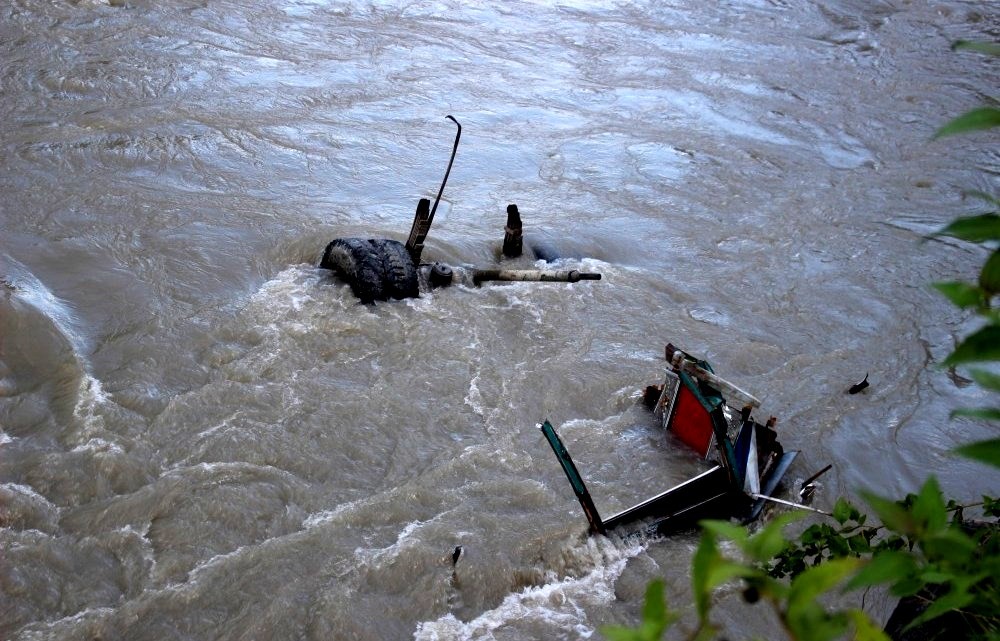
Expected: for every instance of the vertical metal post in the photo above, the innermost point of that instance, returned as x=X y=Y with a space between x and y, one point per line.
x=418 y=231
x=512 y=239
x=425 y=213
x=725 y=446
x=596 y=524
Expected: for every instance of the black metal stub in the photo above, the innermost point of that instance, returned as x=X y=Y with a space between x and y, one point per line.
x=512 y=239
x=441 y=275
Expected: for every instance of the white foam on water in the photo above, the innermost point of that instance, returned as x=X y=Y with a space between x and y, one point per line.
x=404 y=540
x=560 y=605
x=30 y=290
x=47 y=629
x=90 y=397
x=224 y=426
x=288 y=292
x=474 y=398
x=328 y=516
x=28 y=491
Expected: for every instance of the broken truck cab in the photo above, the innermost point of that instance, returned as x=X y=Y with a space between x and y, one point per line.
x=713 y=417
x=383 y=269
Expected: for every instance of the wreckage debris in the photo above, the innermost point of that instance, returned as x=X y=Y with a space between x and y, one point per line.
x=379 y=269
x=441 y=275
x=746 y=460
x=375 y=268
x=513 y=242
x=538 y=275
x=857 y=387
x=808 y=487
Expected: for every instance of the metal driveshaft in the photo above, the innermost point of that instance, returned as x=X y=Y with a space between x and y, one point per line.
x=547 y=275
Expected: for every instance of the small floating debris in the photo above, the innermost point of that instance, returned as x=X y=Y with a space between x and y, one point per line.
x=808 y=487
x=380 y=269
x=857 y=387
x=745 y=462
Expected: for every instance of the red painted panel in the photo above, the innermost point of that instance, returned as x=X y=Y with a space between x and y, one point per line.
x=692 y=423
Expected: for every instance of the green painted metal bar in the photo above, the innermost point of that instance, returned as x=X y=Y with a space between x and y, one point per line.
x=579 y=488
x=725 y=447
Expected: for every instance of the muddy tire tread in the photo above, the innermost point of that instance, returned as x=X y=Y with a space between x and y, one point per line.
x=401 y=279
x=359 y=262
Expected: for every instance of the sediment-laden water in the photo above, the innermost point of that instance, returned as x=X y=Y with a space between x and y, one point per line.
x=204 y=436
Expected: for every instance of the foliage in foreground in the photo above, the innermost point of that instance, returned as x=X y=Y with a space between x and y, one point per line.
x=924 y=550
x=923 y=546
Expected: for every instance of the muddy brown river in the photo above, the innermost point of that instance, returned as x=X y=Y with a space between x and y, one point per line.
x=204 y=436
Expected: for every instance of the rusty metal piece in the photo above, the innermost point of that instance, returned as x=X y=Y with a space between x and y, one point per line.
x=545 y=275
x=418 y=232
x=425 y=213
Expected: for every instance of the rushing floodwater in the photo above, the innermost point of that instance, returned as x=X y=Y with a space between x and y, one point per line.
x=205 y=437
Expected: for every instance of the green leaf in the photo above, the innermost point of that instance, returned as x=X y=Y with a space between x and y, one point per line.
x=989 y=277
x=621 y=633
x=726 y=530
x=885 y=567
x=984 y=345
x=956 y=599
x=709 y=569
x=701 y=564
x=656 y=618
x=892 y=514
x=705 y=632
x=975 y=229
x=906 y=587
x=985 y=379
x=819 y=579
x=806 y=618
x=859 y=544
x=983 y=451
x=929 y=508
x=989 y=48
x=936 y=576
x=864 y=628
x=723 y=572
x=977 y=119
x=961 y=294
x=655 y=608
x=770 y=541
x=813 y=623
x=988 y=413
x=841 y=511
x=951 y=546
x=982 y=195
x=838 y=546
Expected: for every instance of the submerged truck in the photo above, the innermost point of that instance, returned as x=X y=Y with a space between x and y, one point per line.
x=379 y=269
x=744 y=462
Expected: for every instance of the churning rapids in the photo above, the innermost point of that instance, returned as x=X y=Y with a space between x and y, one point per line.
x=204 y=436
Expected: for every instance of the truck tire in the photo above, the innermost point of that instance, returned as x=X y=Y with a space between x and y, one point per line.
x=401 y=279
x=359 y=262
